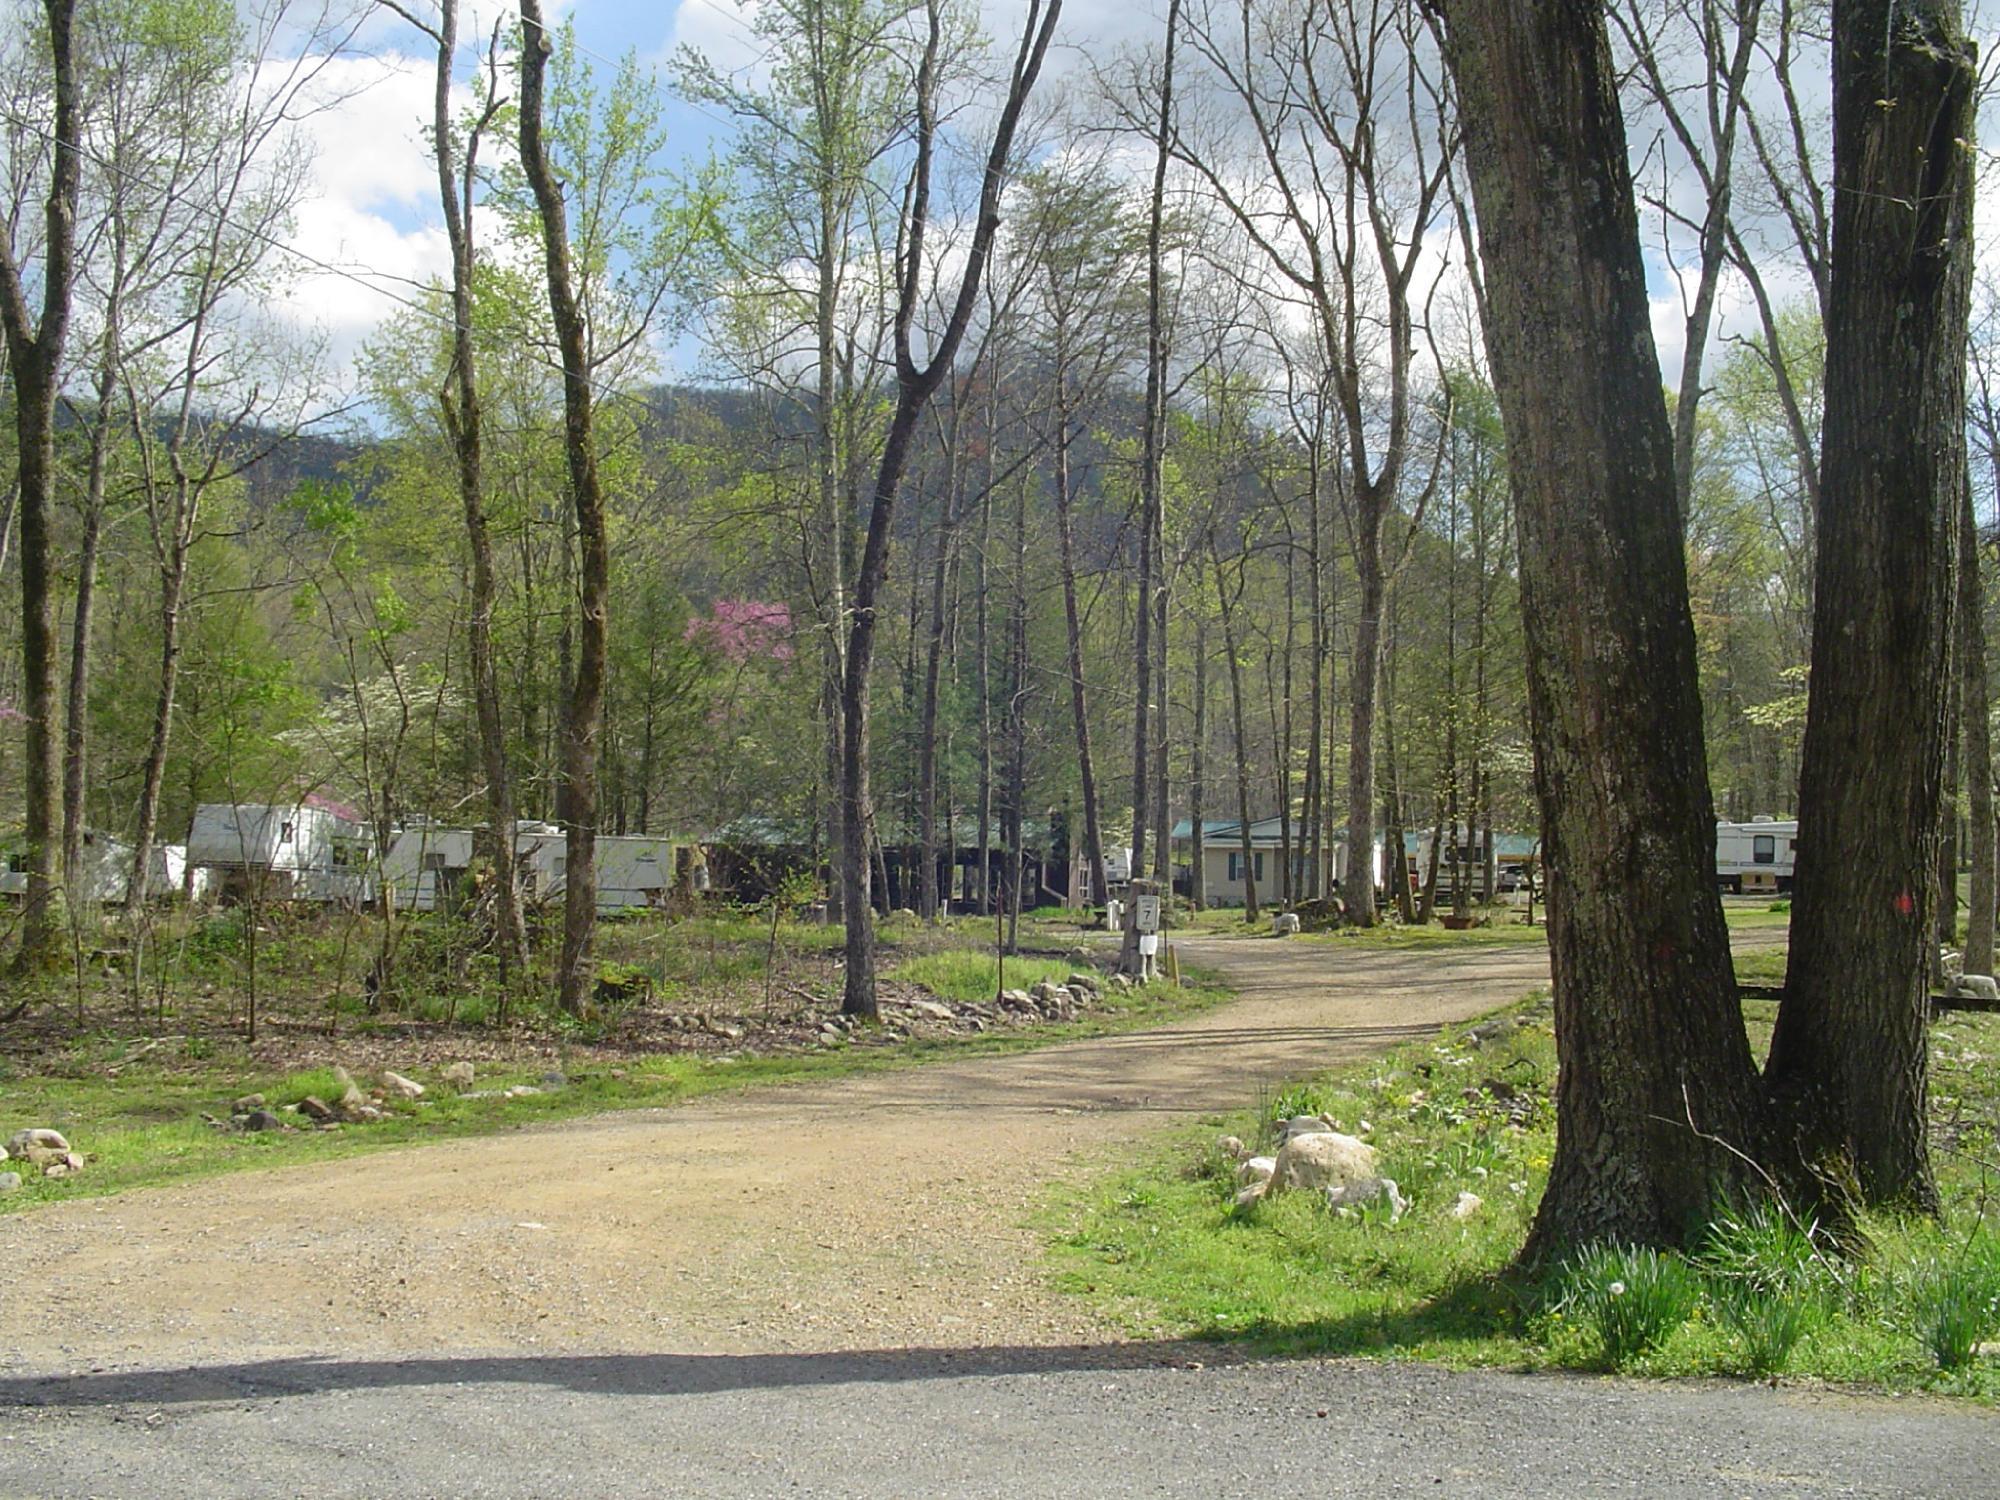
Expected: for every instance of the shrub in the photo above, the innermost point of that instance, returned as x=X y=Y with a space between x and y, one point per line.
x=1632 y=1297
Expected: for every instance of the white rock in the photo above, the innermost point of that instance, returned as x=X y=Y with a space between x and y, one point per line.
x=401 y=1087
x=1976 y=987
x=44 y=1140
x=10 y=1182
x=1252 y=1195
x=932 y=1009
x=1300 y=1125
x=1371 y=1190
x=1468 y=1204
x=1322 y=1159
x=1232 y=1147
x=1257 y=1169
x=459 y=1075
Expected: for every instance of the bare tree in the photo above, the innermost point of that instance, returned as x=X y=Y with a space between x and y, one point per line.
x=915 y=384
x=1348 y=173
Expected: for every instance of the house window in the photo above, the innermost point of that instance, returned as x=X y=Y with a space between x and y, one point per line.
x=284 y=833
x=1236 y=866
x=1764 y=850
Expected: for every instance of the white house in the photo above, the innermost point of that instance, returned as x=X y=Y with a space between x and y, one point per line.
x=1223 y=864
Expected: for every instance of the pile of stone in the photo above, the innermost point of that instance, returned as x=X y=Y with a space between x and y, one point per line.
x=1054 y=1002
x=1312 y=1157
x=40 y=1150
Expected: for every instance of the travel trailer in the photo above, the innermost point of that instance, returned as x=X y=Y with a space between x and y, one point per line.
x=428 y=860
x=304 y=850
x=1758 y=857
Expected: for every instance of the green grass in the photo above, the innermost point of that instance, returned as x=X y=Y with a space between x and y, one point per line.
x=135 y=1110
x=1158 y=1245
x=973 y=977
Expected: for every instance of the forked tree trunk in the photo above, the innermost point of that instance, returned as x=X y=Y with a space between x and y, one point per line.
x=1849 y=1054
x=915 y=384
x=1657 y=1093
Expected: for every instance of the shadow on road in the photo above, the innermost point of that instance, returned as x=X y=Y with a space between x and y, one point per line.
x=595 y=1374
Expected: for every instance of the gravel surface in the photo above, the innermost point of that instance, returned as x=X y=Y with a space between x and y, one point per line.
x=863 y=1213
x=821 y=1290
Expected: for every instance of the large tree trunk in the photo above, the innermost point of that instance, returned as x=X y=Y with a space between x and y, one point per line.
x=34 y=357
x=1978 y=759
x=584 y=719
x=1657 y=1092
x=1849 y=1053
x=463 y=420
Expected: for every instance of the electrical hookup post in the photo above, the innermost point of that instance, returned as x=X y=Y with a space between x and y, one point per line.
x=1145 y=956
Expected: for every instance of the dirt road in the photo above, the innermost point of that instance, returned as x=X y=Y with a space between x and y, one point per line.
x=867 y=1213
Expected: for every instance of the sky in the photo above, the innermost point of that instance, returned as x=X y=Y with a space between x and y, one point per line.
x=373 y=214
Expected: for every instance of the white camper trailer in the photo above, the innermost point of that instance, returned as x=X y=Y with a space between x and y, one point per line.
x=1758 y=857
x=427 y=860
x=107 y=868
x=314 y=853
x=633 y=870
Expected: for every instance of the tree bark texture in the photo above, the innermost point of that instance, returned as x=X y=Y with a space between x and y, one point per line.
x=1849 y=1054
x=1657 y=1091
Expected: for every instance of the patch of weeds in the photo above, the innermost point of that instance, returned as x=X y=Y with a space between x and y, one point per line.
x=1630 y=1296
x=1770 y=1276
x=1953 y=1306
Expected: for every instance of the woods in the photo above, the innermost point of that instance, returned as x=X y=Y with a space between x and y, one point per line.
x=985 y=479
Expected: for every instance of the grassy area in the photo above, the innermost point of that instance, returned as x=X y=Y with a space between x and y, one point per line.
x=1162 y=1247
x=968 y=975
x=133 y=1100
